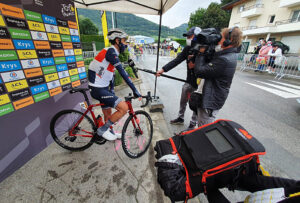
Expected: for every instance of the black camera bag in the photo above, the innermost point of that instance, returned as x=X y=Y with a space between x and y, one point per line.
x=212 y=152
x=195 y=101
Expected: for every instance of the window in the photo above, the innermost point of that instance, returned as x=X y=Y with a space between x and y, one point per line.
x=258 y=3
x=296 y=16
x=241 y=9
x=252 y=24
x=272 y=18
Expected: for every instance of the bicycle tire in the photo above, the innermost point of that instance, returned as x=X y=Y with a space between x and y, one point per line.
x=55 y=122
x=125 y=139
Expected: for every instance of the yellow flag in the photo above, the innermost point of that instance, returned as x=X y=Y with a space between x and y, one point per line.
x=104 y=28
x=77 y=20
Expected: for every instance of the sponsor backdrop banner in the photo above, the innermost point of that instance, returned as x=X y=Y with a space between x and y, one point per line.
x=40 y=60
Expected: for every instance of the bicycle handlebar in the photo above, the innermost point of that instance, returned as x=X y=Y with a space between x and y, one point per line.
x=147 y=97
x=128 y=98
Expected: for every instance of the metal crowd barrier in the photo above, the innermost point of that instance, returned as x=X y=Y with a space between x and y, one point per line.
x=89 y=54
x=279 y=66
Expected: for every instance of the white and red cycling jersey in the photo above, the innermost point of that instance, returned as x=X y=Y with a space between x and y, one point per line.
x=101 y=69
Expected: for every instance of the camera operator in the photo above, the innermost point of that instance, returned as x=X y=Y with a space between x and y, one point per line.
x=218 y=74
x=189 y=87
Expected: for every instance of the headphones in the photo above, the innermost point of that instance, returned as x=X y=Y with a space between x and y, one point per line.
x=227 y=41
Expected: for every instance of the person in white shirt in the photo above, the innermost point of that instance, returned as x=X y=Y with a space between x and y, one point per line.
x=275 y=58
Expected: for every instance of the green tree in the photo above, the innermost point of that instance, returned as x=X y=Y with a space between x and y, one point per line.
x=196 y=18
x=87 y=27
x=213 y=16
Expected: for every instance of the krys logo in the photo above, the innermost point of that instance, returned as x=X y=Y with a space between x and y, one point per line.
x=67 y=10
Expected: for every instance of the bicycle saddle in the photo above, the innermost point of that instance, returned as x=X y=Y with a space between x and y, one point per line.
x=78 y=89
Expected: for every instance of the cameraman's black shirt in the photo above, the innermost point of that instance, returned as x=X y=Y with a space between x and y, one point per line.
x=190 y=77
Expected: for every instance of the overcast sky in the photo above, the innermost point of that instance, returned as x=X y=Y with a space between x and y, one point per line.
x=180 y=12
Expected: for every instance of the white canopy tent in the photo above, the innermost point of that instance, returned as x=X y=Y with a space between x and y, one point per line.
x=151 y=7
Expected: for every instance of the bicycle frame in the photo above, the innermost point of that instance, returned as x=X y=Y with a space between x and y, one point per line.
x=96 y=122
x=99 y=122
x=131 y=112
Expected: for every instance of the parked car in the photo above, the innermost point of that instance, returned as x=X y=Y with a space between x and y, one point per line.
x=285 y=48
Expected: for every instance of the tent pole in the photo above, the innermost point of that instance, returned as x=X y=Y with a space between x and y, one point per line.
x=116 y=21
x=158 y=45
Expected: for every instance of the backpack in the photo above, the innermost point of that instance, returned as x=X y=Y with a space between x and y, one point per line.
x=219 y=150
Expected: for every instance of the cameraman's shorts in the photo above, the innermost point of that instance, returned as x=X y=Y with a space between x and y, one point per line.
x=105 y=96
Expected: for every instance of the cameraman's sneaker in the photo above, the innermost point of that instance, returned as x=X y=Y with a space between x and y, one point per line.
x=109 y=136
x=177 y=121
x=191 y=127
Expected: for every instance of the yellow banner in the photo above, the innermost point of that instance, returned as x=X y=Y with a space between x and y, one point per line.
x=1 y=21
x=77 y=51
x=36 y=26
x=64 y=30
x=104 y=28
x=51 y=77
x=17 y=85
x=4 y=99
x=54 y=37
x=73 y=71
x=27 y=54
x=65 y=81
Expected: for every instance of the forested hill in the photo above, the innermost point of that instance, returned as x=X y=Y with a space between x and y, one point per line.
x=133 y=25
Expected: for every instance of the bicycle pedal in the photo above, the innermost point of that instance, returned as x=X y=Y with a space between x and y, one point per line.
x=99 y=140
x=70 y=138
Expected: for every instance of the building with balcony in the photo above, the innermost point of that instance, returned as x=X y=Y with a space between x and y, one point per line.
x=276 y=20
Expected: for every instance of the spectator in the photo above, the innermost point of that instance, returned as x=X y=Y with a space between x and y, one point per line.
x=262 y=58
x=275 y=58
x=256 y=51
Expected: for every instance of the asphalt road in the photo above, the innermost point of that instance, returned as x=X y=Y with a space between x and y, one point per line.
x=267 y=108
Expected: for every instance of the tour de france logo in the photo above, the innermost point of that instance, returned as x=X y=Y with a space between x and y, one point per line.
x=51 y=27
x=13 y=75
x=40 y=36
x=67 y=10
x=30 y=62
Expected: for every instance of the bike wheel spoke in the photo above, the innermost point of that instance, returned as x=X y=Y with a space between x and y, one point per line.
x=63 y=127
x=137 y=134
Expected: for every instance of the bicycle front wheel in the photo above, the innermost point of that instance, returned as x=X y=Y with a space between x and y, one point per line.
x=137 y=134
x=72 y=130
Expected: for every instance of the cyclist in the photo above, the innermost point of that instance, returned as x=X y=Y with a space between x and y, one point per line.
x=101 y=74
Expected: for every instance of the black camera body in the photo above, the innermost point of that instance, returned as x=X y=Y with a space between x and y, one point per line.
x=208 y=38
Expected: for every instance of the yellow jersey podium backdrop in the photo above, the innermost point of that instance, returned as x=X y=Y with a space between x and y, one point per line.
x=40 y=60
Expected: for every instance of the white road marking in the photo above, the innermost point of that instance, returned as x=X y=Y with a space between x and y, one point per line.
x=296 y=92
x=280 y=93
x=289 y=85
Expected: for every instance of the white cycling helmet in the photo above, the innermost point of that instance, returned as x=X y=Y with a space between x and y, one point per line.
x=116 y=33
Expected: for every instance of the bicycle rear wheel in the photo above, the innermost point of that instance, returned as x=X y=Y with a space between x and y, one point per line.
x=137 y=134
x=80 y=138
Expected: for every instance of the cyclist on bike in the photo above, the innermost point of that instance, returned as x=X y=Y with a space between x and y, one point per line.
x=101 y=74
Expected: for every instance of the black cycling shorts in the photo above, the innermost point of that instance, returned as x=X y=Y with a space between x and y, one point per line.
x=105 y=96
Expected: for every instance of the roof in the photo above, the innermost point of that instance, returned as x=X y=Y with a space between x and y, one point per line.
x=151 y=7
x=232 y=4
